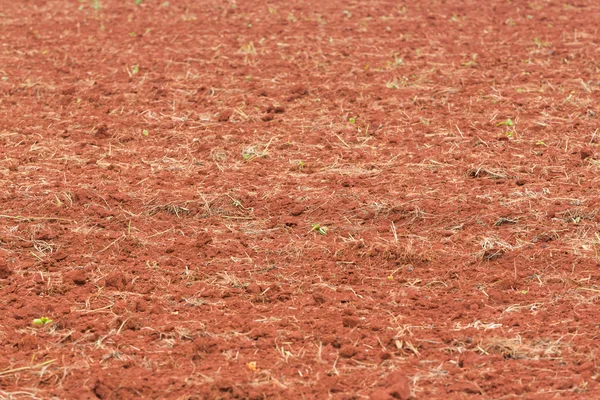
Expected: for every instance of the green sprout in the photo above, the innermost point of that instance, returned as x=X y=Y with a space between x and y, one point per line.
x=145 y=132
x=320 y=229
x=393 y=84
x=138 y=2
x=508 y=122
x=135 y=69
x=237 y=203
x=42 y=321
x=352 y=120
x=301 y=165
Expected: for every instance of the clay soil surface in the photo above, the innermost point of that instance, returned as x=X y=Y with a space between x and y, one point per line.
x=299 y=200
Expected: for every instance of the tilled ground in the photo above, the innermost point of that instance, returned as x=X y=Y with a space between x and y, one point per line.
x=299 y=200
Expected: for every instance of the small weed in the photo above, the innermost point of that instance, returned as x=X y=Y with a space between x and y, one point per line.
x=472 y=62
x=508 y=122
x=577 y=216
x=42 y=321
x=397 y=83
x=319 y=228
x=236 y=203
x=135 y=69
x=145 y=132
x=251 y=152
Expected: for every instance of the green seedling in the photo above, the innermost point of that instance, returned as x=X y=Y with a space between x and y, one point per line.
x=145 y=132
x=138 y=2
x=237 y=203
x=508 y=122
x=135 y=69
x=320 y=229
x=300 y=165
x=42 y=321
x=352 y=120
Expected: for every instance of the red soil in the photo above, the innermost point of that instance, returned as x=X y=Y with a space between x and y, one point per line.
x=299 y=200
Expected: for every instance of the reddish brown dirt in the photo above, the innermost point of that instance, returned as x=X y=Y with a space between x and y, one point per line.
x=346 y=200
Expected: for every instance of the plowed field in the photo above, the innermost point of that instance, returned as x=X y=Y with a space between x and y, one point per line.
x=299 y=200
